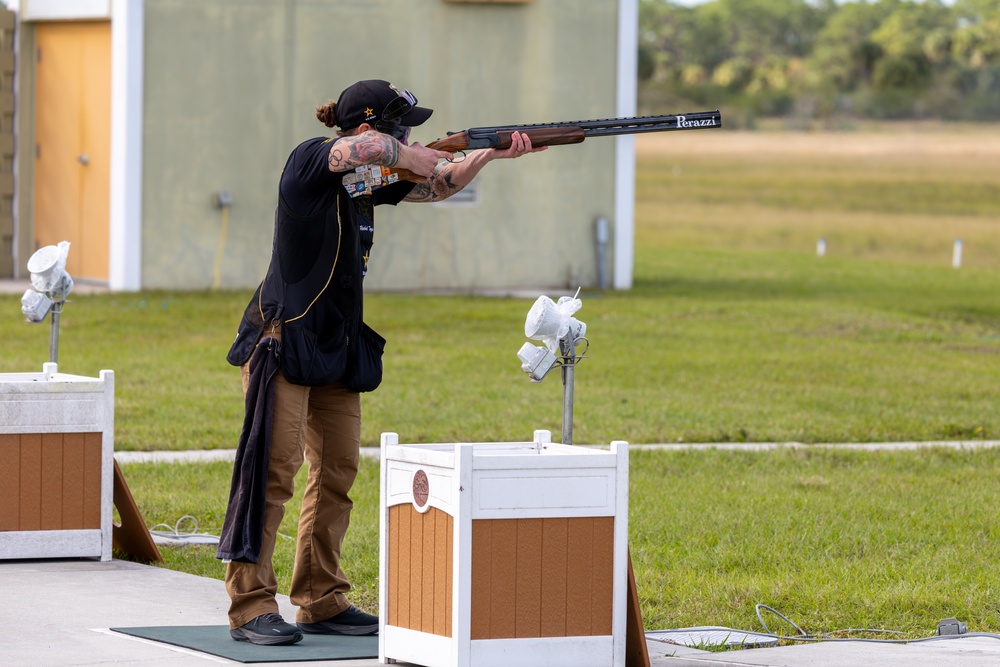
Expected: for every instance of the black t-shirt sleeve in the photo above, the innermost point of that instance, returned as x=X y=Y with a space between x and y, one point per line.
x=307 y=182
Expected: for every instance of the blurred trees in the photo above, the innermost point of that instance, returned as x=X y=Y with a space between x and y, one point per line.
x=809 y=59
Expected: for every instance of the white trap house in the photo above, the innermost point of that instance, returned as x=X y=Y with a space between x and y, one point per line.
x=56 y=464
x=511 y=553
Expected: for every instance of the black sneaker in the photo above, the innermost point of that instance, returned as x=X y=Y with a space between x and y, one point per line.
x=267 y=630
x=351 y=621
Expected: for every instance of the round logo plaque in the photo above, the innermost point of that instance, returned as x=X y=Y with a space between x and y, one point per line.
x=421 y=488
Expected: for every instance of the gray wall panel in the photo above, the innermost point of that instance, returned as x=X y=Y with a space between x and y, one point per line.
x=215 y=106
x=231 y=86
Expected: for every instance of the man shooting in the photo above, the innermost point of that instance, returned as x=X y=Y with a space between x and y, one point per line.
x=306 y=355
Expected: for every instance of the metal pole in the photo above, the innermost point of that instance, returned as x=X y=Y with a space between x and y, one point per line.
x=568 y=349
x=57 y=307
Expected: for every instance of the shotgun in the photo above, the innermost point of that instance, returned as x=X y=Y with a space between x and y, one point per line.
x=367 y=178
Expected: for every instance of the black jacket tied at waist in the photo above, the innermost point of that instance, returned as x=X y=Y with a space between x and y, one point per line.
x=243 y=528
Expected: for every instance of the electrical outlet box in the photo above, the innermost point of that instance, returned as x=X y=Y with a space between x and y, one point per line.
x=951 y=626
x=224 y=198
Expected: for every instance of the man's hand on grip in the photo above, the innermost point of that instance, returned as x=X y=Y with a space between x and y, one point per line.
x=422 y=160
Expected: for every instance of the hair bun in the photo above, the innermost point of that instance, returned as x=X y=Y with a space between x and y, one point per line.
x=327 y=113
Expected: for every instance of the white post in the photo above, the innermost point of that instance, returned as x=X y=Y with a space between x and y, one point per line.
x=623 y=241
x=956 y=254
x=619 y=614
x=125 y=225
x=389 y=439
x=107 y=463
x=461 y=557
x=821 y=247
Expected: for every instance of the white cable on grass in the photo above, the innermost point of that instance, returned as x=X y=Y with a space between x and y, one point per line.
x=824 y=637
x=175 y=536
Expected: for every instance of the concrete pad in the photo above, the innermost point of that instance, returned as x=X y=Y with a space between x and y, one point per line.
x=965 y=651
x=59 y=612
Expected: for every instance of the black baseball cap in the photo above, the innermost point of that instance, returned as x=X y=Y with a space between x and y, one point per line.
x=376 y=100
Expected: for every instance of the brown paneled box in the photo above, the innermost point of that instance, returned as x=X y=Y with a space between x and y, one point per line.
x=56 y=464
x=503 y=553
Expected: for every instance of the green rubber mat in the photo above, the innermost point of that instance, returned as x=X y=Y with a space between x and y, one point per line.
x=215 y=639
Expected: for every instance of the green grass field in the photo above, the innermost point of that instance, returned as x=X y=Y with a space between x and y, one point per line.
x=832 y=539
x=727 y=345
x=735 y=331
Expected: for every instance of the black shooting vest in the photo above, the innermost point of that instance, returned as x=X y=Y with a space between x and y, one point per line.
x=314 y=286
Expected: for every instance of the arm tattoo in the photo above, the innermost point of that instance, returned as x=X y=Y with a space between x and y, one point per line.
x=349 y=153
x=439 y=186
x=380 y=149
x=336 y=158
x=442 y=185
x=421 y=193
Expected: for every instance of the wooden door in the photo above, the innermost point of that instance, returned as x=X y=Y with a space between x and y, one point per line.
x=73 y=142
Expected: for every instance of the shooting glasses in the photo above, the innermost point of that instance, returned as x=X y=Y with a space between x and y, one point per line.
x=401 y=105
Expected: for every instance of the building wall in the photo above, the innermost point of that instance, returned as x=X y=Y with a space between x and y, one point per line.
x=229 y=87
x=216 y=116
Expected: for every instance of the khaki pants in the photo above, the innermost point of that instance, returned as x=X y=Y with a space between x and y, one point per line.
x=324 y=425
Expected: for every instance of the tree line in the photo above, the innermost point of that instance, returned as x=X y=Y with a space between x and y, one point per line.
x=822 y=59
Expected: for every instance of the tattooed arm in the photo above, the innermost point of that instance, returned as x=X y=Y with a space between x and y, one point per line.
x=372 y=147
x=450 y=177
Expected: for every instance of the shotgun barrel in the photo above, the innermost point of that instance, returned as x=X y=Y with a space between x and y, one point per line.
x=574 y=131
x=604 y=127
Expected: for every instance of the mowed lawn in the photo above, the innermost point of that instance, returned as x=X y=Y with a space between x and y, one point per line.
x=896 y=193
x=735 y=331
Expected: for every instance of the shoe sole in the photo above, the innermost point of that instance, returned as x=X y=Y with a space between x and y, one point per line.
x=242 y=635
x=336 y=629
